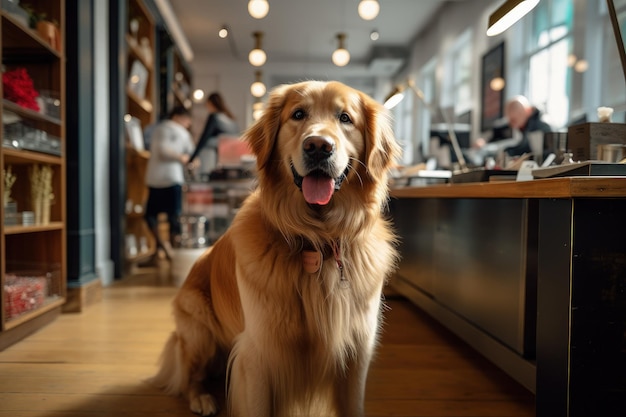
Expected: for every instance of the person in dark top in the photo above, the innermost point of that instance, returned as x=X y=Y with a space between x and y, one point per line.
x=220 y=121
x=525 y=118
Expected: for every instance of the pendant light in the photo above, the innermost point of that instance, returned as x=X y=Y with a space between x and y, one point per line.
x=258 y=8
x=395 y=97
x=257 y=56
x=368 y=9
x=341 y=56
x=257 y=89
x=257 y=109
x=507 y=14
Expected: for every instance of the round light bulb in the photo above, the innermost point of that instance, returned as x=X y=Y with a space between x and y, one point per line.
x=223 y=33
x=368 y=9
x=198 y=95
x=497 y=83
x=258 y=8
x=257 y=57
x=257 y=89
x=581 y=65
x=341 y=57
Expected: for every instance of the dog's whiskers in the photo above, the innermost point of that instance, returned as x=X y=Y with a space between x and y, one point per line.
x=354 y=169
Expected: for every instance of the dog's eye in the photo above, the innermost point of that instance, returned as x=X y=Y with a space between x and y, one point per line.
x=298 y=114
x=345 y=118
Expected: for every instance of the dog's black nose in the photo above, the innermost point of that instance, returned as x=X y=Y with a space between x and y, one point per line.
x=318 y=147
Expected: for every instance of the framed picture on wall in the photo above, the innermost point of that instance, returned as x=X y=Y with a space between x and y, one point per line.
x=492 y=87
x=134 y=133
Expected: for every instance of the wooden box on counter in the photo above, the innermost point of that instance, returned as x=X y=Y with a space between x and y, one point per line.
x=583 y=139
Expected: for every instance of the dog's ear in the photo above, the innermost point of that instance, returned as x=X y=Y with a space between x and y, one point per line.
x=262 y=134
x=381 y=147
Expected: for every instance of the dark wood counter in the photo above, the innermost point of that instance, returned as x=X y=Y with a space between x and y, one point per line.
x=548 y=188
x=531 y=274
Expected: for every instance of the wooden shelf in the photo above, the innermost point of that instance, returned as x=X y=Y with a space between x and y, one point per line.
x=179 y=96
x=15 y=230
x=41 y=244
x=50 y=304
x=136 y=53
x=29 y=114
x=141 y=257
x=145 y=109
x=20 y=156
x=142 y=104
x=18 y=40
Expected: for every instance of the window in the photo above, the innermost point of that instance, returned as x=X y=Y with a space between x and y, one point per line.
x=612 y=84
x=403 y=115
x=549 y=42
x=458 y=90
x=427 y=84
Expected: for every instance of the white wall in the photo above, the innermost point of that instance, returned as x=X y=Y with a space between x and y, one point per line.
x=104 y=264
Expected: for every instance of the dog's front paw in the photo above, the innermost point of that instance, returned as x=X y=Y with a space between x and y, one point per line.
x=203 y=404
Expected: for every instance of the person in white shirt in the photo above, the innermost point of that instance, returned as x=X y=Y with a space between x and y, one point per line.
x=170 y=148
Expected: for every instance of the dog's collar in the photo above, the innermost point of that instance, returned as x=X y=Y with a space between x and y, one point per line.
x=313 y=258
x=297 y=178
x=326 y=250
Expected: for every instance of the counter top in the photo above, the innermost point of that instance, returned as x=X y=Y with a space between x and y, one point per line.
x=567 y=187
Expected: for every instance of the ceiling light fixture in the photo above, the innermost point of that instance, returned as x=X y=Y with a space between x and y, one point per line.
x=257 y=109
x=395 y=97
x=257 y=89
x=374 y=35
x=258 y=8
x=257 y=56
x=507 y=14
x=497 y=83
x=341 y=56
x=198 y=95
x=368 y=9
x=223 y=32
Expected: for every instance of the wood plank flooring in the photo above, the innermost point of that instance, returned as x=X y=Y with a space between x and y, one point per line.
x=94 y=364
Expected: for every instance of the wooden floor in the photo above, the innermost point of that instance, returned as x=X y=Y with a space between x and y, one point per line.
x=94 y=364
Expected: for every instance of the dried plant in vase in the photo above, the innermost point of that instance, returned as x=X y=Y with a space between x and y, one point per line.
x=9 y=179
x=47 y=28
x=41 y=192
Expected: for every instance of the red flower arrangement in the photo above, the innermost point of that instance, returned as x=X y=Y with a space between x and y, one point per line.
x=19 y=88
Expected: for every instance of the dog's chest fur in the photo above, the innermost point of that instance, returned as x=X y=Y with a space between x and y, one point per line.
x=310 y=308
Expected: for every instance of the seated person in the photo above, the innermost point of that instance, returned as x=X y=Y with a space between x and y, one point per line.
x=523 y=118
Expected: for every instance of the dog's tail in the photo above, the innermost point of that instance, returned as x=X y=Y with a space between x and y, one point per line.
x=172 y=376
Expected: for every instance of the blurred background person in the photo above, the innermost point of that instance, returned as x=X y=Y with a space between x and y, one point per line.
x=524 y=119
x=170 y=149
x=219 y=121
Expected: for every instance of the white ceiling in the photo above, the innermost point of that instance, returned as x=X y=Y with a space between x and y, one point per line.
x=302 y=31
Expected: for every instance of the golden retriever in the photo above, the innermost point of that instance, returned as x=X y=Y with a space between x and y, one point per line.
x=289 y=298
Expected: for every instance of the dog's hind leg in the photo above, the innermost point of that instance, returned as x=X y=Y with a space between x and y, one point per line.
x=186 y=358
x=198 y=351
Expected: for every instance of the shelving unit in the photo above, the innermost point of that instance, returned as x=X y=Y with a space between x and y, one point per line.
x=36 y=250
x=175 y=78
x=141 y=103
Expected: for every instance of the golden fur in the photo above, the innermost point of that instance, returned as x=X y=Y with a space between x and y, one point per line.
x=295 y=343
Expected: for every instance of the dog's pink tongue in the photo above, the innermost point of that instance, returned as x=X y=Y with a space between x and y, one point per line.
x=318 y=190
